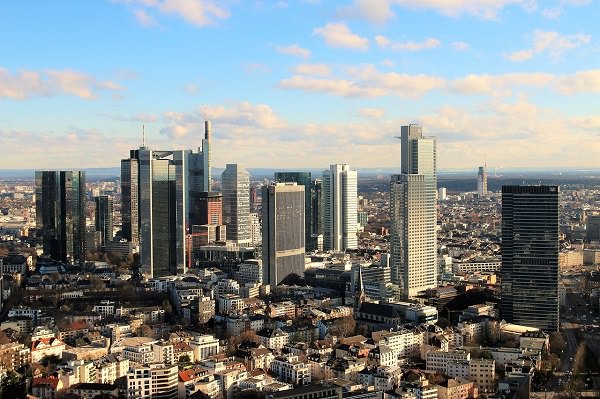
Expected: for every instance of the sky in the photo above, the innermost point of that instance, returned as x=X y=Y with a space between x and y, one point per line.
x=300 y=83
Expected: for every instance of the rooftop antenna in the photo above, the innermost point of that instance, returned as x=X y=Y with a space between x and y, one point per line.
x=143 y=136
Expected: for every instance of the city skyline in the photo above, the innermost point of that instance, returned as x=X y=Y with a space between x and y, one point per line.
x=503 y=77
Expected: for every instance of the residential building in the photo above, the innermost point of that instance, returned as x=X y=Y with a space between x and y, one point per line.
x=152 y=381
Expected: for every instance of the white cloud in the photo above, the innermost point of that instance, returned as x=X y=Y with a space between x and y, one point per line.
x=580 y=82
x=338 y=35
x=372 y=113
x=552 y=43
x=144 y=18
x=313 y=69
x=499 y=85
x=484 y=9
x=236 y=117
x=366 y=81
x=196 y=12
x=374 y=11
x=385 y=43
x=25 y=84
x=338 y=87
x=294 y=50
x=460 y=46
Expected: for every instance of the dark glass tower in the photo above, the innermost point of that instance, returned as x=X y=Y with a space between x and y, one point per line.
x=302 y=179
x=282 y=232
x=104 y=218
x=530 y=256
x=60 y=214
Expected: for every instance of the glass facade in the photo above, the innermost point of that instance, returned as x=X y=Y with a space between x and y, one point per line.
x=235 y=182
x=530 y=247
x=60 y=214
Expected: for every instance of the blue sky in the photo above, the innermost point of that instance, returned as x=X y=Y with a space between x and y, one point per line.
x=301 y=83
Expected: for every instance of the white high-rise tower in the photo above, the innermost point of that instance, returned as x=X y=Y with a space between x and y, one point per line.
x=339 y=208
x=482 y=181
x=413 y=214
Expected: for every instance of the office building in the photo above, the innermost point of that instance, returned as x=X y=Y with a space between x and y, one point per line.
x=317 y=207
x=130 y=218
x=413 y=216
x=339 y=208
x=442 y=194
x=235 y=184
x=60 y=214
x=206 y=208
x=162 y=208
x=530 y=247
x=592 y=228
x=482 y=182
x=104 y=218
x=302 y=179
x=282 y=231
x=201 y=199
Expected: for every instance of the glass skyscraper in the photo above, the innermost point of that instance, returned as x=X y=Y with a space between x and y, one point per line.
x=235 y=182
x=530 y=247
x=413 y=217
x=60 y=214
x=304 y=179
x=340 y=196
x=104 y=218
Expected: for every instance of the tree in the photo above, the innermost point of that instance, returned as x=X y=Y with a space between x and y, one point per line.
x=184 y=359
x=343 y=327
x=557 y=343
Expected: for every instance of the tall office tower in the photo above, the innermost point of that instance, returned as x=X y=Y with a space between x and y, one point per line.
x=130 y=218
x=199 y=176
x=60 y=214
x=592 y=228
x=104 y=218
x=339 y=208
x=413 y=216
x=317 y=207
x=302 y=179
x=530 y=249
x=163 y=209
x=235 y=184
x=282 y=231
x=207 y=208
x=253 y=198
x=482 y=182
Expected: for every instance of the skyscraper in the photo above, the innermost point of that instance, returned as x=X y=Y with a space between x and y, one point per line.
x=104 y=218
x=413 y=216
x=339 y=208
x=60 y=214
x=235 y=182
x=303 y=179
x=199 y=176
x=163 y=206
x=482 y=182
x=317 y=207
x=282 y=231
x=130 y=218
x=207 y=209
x=530 y=249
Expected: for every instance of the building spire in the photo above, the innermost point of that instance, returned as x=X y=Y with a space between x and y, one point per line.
x=144 y=136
